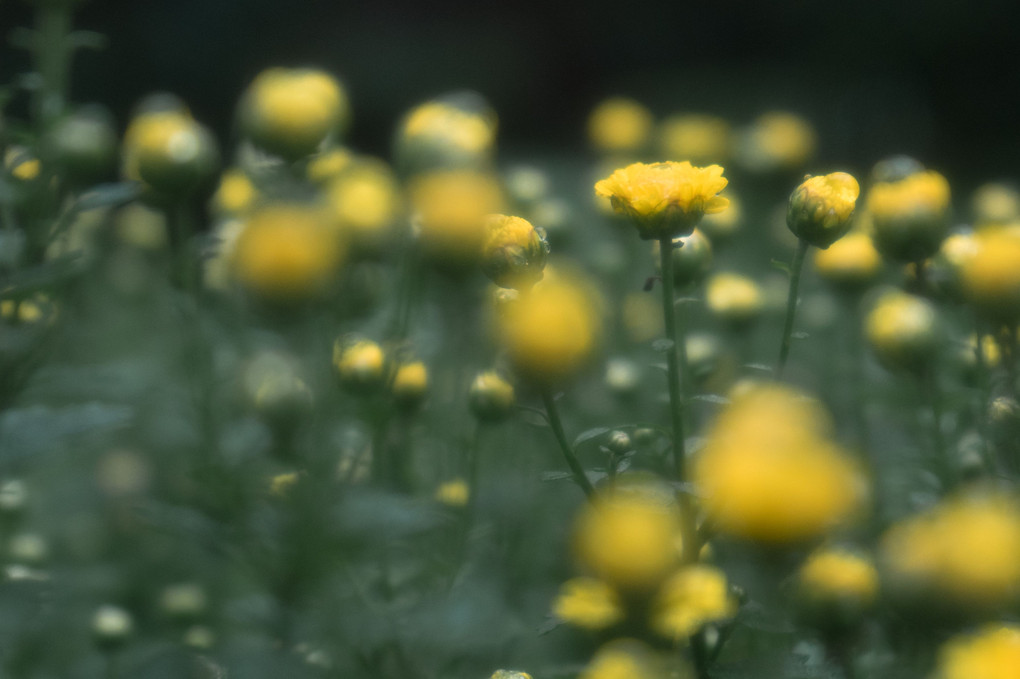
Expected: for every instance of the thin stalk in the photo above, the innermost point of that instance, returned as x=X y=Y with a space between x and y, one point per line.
x=52 y=58
x=676 y=404
x=791 y=305
x=553 y=413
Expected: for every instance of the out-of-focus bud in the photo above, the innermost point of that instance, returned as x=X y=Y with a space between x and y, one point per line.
x=83 y=145
x=291 y=112
x=895 y=168
x=701 y=139
x=620 y=126
x=410 y=384
x=623 y=376
x=910 y=216
x=360 y=364
x=13 y=496
x=112 y=626
x=454 y=131
x=276 y=391
x=721 y=227
x=945 y=267
x=184 y=601
x=170 y=152
x=619 y=443
x=236 y=194
x=821 y=208
x=903 y=331
x=454 y=493
x=995 y=205
x=990 y=273
x=851 y=264
x=734 y=299
x=835 y=588
x=692 y=258
x=776 y=141
x=365 y=200
x=30 y=549
x=509 y=674
x=491 y=397
x=514 y=252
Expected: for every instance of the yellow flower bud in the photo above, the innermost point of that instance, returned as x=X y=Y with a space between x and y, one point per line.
x=990 y=272
x=995 y=205
x=626 y=659
x=835 y=587
x=410 y=383
x=171 y=152
x=514 y=252
x=665 y=199
x=454 y=493
x=777 y=140
x=589 y=603
x=910 y=215
x=451 y=208
x=902 y=330
x=850 y=264
x=619 y=125
x=457 y=130
x=690 y=599
x=991 y=653
x=235 y=195
x=821 y=207
x=365 y=199
x=360 y=364
x=491 y=397
x=291 y=112
x=698 y=138
x=733 y=298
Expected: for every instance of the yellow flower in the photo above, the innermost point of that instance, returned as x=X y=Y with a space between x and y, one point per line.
x=365 y=199
x=733 y=298
x=490 y=397
x=995 y=204
x=990 y=272
x=410 y=382
x=966 y=549
x=902 y=330
x=835 y=574
x=629 y=537
x=509 y=674
x=170 y=151
x=451 y=207
x=359 y=363
x=770 y=472
x=777 y=140
x=290 y=112
x=455 y=493
x=286 y=252
x=910 y=215
x=698 y=138
x=991 y=653
x=32 y=309
x=438 y=122
x=22 y=163
x=821 y=207
x=665 y=199
x=552 y=331
x=619 y=125
x=325 y=166
x=692 y=598
x=235 y=195
x=851 y=263
x=589 y=603
x=625 y=659
x=514 y=252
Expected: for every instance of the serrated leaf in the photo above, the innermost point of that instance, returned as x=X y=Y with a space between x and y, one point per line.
x=663 y=345
x=588 y=435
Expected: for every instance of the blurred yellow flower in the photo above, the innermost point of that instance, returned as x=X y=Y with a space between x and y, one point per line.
x=453 y=493
x=619 y=125
x=442 y=123
x=851 y=263
x=625 y=659
x=995 y=204
x=902 y=330
x=169 y=151
x=629 y=537
x=290 y=112
x=509 y=674
x=991 y=653
x=514 y=252
x=326 y=165
x=410 y=382
x=235 y=195
x=589 y=603
x=359 y=363
x=821 y=207
x=22 y=164
x=770 y=472
x=281 y=484
x=837 y=574
x=286 y=252
x=665 y=199
x=733 y=298
x=690 y=599
x=990 y=272
x=451 y=207
x=552 y=331
x=695 y=137
x=777 y=140
x=490 y=397
x=365 y=199
x=910 y=215
x=966 y=549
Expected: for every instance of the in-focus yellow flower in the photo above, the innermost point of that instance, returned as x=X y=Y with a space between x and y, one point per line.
x=769 y=470
x=491 y=397
x=291 y=112
x=836 y=574
x=286 y=252
x=821 y=207
x=453 y=493
x=733 y=298
x=514 y=252
x=410 y=382
x=695 y=137
x=589 y=603
x=451 y=207
x=991 y=653
x=690 y=599
x=550 y=332
x=365 y=199
x=665 y=199
x=777 y=140
x=965 y=550
x=910 y=215
x=903 y=330
x=990 y=272
x=851 y=263
x=995 y=204
x=625 y=659
x=619 y=125
x=629 y=537
x=235 y=195
x=360 y=364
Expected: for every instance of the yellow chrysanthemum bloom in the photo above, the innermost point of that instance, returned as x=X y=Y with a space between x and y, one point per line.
x=552 y=331
x=360 y=364
x=438 y=122
x=451 y=207
x=990 y=272
x=902 y=330
x=995 y=204
x=770 y=472
x=698 y=138
x=692 y=598
x=966 y=549
x=235 y=195
x=169 y=151
x=514 y=252
x=665 y=199
x=589 y=603
x=992 y=653
x=852 y=263
x=286 y=252
x=821 y=207
x=619 y=125
x=290 y=112
x=733 y=298
x=410 y=382
x=490 y=397
x=834 y=574
x=777 y=140
x=366 y=201
x=454 y=493
x=910 y=215
x=625 y=659
x=629 y=537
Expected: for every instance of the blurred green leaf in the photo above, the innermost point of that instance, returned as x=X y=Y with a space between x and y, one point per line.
x=37 y=430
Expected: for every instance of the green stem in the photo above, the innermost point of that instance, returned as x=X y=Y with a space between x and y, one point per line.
x=676 y=404
x=51 y=57
x=791 y=305
x=553 y=413
x=930 y=386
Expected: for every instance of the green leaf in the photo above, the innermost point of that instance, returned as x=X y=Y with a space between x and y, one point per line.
x=782 y=266
x=36 y=430
x=663 y=345
x=588 y=435
x=107 y=195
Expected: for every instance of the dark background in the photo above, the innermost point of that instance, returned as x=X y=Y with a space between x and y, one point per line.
x=935 y=79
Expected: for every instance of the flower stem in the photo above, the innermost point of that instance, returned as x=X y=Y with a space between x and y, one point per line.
x=791 y=305
x=553 y=413
x=51 y=57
